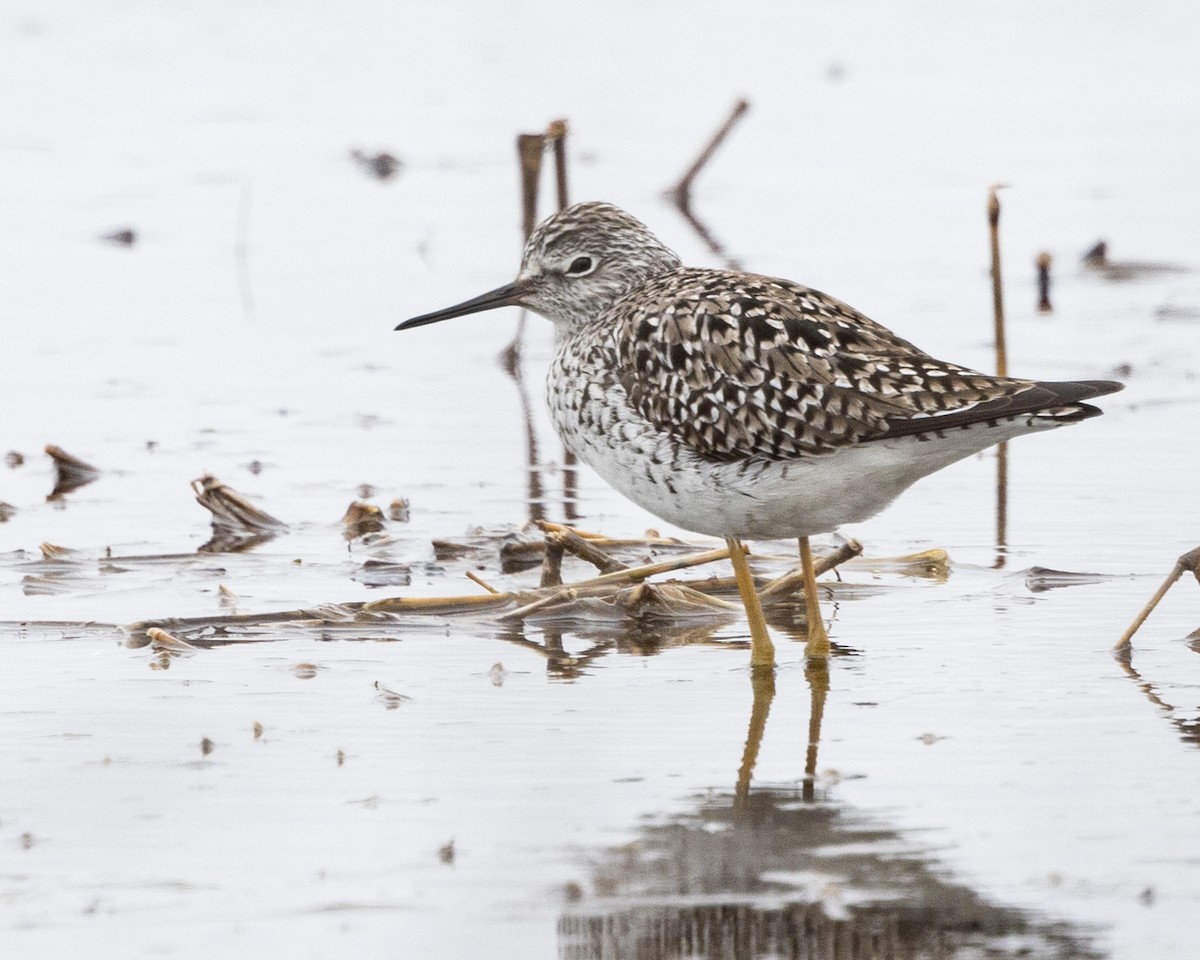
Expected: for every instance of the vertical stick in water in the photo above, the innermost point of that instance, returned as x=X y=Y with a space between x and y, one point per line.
x=530 y=148
x=1044 y=260
x=993 y=212
x=556 y=133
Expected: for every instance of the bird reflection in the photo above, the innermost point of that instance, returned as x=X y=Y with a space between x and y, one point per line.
x=772 y=875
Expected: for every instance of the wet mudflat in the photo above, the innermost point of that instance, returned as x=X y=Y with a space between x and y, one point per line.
x=986 y=776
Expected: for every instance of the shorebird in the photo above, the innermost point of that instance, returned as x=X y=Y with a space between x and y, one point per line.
x=744 y=406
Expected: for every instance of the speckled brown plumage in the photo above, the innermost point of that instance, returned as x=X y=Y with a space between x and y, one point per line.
x=744 y=405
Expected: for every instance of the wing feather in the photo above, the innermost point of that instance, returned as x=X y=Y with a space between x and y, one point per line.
x=736 y=365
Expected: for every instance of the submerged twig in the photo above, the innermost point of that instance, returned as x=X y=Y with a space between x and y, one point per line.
x=1188 y=563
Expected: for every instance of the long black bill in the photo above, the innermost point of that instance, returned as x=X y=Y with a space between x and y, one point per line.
x=507 y=296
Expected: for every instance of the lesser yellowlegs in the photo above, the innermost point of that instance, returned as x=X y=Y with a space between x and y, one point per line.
x=744 y=406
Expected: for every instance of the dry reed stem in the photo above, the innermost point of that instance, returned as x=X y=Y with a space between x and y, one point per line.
x=1188 y=563
x=563 y=595
x=475 y=578
x=552 y=562
x=556 y=134
x=993 y=214
x=790 y=581
x=682 y=192
x=586 y=551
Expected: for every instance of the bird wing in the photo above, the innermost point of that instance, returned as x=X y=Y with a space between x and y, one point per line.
x=735 y=365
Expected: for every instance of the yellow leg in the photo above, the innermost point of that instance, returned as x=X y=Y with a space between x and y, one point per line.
x=817 y=647
x=762 y=650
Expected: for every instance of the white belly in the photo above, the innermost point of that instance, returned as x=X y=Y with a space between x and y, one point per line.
x=763 y=499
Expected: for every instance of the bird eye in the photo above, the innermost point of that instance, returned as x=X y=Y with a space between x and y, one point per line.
x=579 y=266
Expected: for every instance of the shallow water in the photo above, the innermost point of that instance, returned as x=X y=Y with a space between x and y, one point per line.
x=987 y=775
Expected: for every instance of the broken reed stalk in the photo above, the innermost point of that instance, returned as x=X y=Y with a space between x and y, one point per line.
x=1188 y=563
x=993 y=214
x=556 y=133
x=603 y=540
x=632 y=575
x=475 y=578
x=682 y=192
x=552 y=563
x=530 y=148
x=787 y=584
x=575 y=544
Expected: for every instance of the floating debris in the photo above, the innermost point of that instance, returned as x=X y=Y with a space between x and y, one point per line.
x=70 y=472
x=398 y=510
x=258 y=730
x=14 y=459
x=125 y=237
x=1120 y=271
x=206 y=747
x=1182 y=313
x=305 y=671
x=497 y=674
x=675 y=602
x=1041 y=579
x=360 y=519
x=381 y=166
x=384 y=573
x=237 y=524
x=161 y=640
x=446 y=852
x=53 y=553
x=390 y=698
x=47 y=585
x=7 y=511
